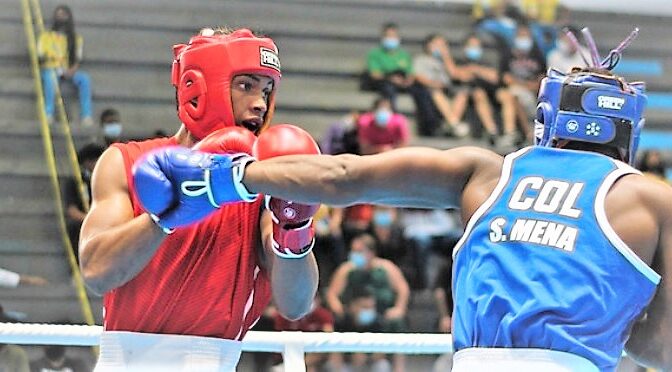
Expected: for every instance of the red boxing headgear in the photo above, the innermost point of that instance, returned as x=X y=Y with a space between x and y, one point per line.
x=202 y=74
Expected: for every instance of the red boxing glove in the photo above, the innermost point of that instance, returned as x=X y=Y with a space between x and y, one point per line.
x=293 y=232
x=229 y=140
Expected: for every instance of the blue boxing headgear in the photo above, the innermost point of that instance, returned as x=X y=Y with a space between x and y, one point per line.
x=592 y=107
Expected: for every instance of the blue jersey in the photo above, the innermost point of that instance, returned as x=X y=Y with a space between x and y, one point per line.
x=540 y=267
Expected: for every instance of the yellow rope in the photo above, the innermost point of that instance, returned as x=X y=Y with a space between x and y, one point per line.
x=51 y=161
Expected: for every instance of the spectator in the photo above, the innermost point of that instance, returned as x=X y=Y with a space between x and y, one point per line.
x=480 y=83
x=501 y=21
x=433 y=70
x=56 y=360
x=360 y=315
x=111 y=127
x=365 y=270
x=521 y=70
x=13 y=358
x=11 y=279
x=389 y=66
x=388 y=233
x=443 y=297
x=329 y=237
x=341 y=137
x=651 y=163
x=382 y=129
x=74 y=205
x=431 y=235
x=567 y=55
x=318 y=320
x=60 y=54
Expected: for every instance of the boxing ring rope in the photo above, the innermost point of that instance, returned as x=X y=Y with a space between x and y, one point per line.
x=292 y=345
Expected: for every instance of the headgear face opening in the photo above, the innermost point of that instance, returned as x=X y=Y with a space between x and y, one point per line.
x=203 y=70
x=590 y=107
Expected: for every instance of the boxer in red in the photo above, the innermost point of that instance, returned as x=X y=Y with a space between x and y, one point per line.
x=183 y=298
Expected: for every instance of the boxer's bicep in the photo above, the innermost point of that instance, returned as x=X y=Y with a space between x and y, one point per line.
x=110 y=202
x=651 y=336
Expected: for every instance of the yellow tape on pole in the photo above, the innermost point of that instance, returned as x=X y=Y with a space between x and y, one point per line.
x=51 y=163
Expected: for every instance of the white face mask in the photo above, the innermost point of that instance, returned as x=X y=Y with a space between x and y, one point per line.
x=112 y=130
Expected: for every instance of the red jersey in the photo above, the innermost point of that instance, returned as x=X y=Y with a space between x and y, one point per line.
x=204 y=279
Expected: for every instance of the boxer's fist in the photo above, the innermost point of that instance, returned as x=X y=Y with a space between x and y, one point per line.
x=229 y=140
x=178 y=186
x=293 y=232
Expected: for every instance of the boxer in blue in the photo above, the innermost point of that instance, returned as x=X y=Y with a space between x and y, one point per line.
x=566 y=259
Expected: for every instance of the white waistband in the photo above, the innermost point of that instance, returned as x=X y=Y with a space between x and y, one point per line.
x=133 y=351
x=478 y=359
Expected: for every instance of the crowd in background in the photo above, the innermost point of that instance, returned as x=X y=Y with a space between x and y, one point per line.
x=372 y=259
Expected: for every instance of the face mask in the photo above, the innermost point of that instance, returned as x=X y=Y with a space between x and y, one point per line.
x=564 y=47
x=523 y=44
x=390 y=43
x=473 y=53
x=437 y=54
x=366 y=316
x=358 y=259
x=86 y=174
x=112 y=130
x=383 y=117
x=382 y=218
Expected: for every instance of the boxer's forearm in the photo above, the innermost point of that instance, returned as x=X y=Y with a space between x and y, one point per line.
x=294 y=283
x=305 y=179
x=112 y=257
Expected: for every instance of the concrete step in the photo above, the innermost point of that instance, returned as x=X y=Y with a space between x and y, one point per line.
x=57 y=301
x=53 y=267
x=35 y=226
x=30 y=246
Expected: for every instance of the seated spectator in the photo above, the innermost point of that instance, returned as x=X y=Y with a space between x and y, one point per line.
x=111 y=127
x=60 y=53
x=521 y=70
x=382 y=129
x=431 y=235
x=74 y=205
x=500 y=21
x=341 y=137
x=12 y=357
x=56 y=360
x=566 y=56
x=651 y=164
x=329 y=237
x=360 y=315
x=480 y=83
x=542 y=16
x=443 y=297
x=389 y=66
x=365 y=270
x=10 y=279
x=318 y=320
x=388 y=233
x=433 y=70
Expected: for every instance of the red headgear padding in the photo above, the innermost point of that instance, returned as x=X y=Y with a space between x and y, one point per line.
x=202 y=74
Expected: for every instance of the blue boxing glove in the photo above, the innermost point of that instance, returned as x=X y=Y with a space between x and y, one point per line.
x=178 y=186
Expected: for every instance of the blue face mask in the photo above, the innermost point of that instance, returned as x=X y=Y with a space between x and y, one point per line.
x=112 y=130
x=437 y=54
x=390 y=43
x=366 y=316
x=358 y=259
x=382 y=218
x=523 y=44
x=473 y=53
x=383 y=117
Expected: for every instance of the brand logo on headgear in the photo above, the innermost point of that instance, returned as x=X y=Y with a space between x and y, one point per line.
x=269 y=58
x=611 y=103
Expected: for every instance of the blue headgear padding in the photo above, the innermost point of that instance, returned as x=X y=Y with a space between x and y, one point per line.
x=589 y=107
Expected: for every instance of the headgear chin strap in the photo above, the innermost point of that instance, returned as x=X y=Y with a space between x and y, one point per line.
x=203 y=70
x=590 y=107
